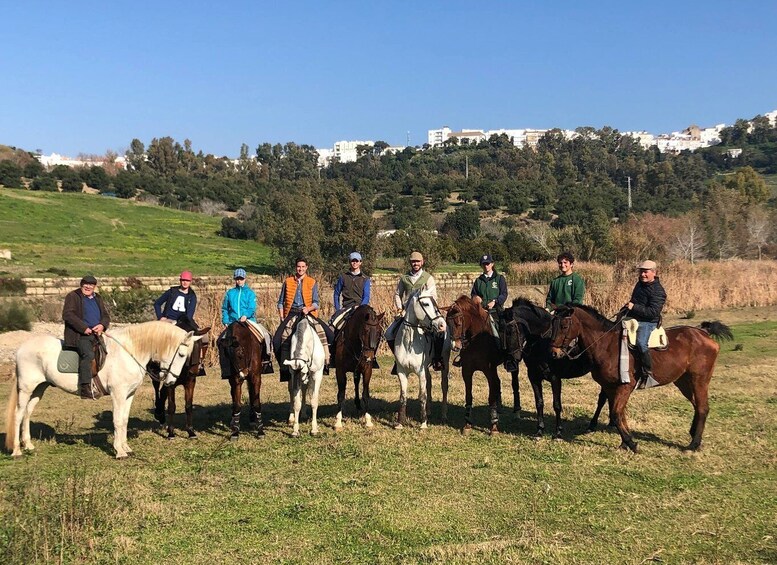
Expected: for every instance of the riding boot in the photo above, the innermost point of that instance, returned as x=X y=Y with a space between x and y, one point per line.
x=647 y=379
x=326 y=369
x=390 y=343
x=85 y=391
x=437 y=344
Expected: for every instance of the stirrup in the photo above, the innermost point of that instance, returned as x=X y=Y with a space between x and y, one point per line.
x=457 y=361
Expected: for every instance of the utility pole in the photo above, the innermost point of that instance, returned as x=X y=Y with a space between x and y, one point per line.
x=466 y=167
x=629 y=181
x=408 y=138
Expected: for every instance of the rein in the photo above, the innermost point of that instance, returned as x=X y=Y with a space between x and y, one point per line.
x=594 y=342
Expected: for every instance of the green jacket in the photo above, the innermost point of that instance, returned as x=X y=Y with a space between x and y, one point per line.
x=565 y=289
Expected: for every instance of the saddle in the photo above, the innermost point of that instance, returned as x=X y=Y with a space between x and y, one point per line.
x=68 y=361
x=289 y=328
x=657 y=339
x=339 y=320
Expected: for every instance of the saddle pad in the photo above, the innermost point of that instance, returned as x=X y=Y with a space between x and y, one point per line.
x=657 y=339
x=339 y=320
x=67 y=362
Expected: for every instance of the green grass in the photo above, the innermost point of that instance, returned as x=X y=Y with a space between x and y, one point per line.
x=410 y=496
x=79 y=233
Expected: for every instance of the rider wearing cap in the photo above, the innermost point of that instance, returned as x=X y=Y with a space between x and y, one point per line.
x=490 y=291
x=177 y=300
x=85 y=318
x=416 y=279
x=645 y=306
x=239 y=305
x=353 y=286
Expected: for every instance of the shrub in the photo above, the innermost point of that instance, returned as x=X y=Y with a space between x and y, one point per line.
x=12 y=286
x=131 y=306
x=14 y=316
x=44 y=183
x=10 y=174
x=72 y=184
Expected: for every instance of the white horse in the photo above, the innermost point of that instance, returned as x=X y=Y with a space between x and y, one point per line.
x=307 y=360
x=413 y=351
x=129 y=351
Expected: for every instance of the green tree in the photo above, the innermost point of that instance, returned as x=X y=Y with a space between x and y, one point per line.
x=44 y=183
x=33 y=169
x=10 y=174
x=750 y=185
x=463 y=223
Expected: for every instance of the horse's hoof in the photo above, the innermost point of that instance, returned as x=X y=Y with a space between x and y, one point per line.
x=424 y=426
x=368 y=421
x=558 y=438
x=339 y=428
x=537 y=436
x=234 y=437
x=290 y=421
x=494 y=431
x=171 y=436
x=398 y=426
x=16 y=454
x=466 y=430
x=314 y=432
x=295 y=434
x=260 y=432
x=690 y=448
x=122 y=456
x=192 y=435
x=589 y=430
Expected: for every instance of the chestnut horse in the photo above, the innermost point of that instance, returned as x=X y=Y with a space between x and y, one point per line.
x=245 y=352
x=688 y=362
x=355 y=349
x=480 y=351
x=525 y=332
x=187 y=379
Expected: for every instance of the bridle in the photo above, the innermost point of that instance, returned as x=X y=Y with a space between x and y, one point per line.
x=568 y=345
x=236 y=347
x=452 y=317
x=430 y=317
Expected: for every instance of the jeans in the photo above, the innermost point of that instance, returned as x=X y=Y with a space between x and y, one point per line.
x=643 y=334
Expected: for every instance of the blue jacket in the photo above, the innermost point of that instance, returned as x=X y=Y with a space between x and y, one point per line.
x=174 y=303
x=238 y=301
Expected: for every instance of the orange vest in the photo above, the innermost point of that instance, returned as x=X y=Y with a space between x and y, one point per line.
x=290 y=284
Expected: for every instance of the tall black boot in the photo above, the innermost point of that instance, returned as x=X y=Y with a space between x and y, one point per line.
x=647 y=379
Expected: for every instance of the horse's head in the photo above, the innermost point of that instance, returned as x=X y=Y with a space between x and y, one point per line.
x=370 y=333
x=457 y=320
x=243 y=348
x=192 y=369
x=423 y=312
x=566 y=329
x=171 y=369
x=512 y=332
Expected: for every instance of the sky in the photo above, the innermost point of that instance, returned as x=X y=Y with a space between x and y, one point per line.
x=85 y=77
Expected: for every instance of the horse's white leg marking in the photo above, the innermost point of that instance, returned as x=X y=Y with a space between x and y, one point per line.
x=292 y=419
x=119 y=425
x=26 y=437
x=21 y=411
x=314 y=403
x=368 y=420
x=127 y=407
x=339 y=420
x=422 y=395
x=402 y=397
x=297 y=408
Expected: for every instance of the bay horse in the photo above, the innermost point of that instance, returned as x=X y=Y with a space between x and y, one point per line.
x=688 y=362
x=526 y=329
x=414 y=337
x=187 y=379
x=480 y=351
x=245 y=352
x=129 y=350
x=355 y=350
x=306 y=361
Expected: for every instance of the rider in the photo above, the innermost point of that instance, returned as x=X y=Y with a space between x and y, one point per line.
x=239 y=305
x=568 y=286
x=85 y=317
x=647 y=301
x=353 y=287
x=299 y=295
x=177 y=300
x=490 y=291
x=416 y=279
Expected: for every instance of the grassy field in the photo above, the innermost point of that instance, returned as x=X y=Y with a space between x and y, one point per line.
x=54 y=233
x=411 y=496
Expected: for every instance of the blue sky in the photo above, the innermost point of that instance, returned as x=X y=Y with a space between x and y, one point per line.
x=90 y=76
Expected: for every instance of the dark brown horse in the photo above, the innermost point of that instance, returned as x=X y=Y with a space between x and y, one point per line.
x=245 y=352
x=355 y=348
x=480 y=351
x=525 y=332
x=688 y=362
x=187 y=379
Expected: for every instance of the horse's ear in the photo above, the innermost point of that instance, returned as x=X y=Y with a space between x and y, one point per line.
x=445 y=308
x=380 y=316
x=203 y=331
x=189 y=334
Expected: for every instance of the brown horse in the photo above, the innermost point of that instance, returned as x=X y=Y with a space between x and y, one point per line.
x=355 y=348
x=188 y=379
x=245 y=352
x=688 y=362
x=480 y=351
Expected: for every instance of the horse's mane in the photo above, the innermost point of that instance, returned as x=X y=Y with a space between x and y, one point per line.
x=159 y=339
x=535 y=316
x=601 y=318
x=466 y=304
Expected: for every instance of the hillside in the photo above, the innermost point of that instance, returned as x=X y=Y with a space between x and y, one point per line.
x=57 y=233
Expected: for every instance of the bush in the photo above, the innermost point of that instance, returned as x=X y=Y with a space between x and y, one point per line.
x=131 y=306
x=14 y=316
x=11 y=286
x=10 y=174
x=72 y=184
x=44 y=183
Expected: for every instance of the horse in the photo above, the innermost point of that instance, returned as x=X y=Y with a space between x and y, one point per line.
x=525 y=333
x=187 y=379
x=129 y=350
x=307 y=360
x=355 y=349
x=413 y=352
x=688 y=362
x=480 y=351
x=245 y=352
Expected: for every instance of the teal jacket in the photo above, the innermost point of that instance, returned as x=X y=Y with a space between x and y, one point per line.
x=238 y=302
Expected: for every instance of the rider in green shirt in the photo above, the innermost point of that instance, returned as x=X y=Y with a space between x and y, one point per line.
x=568 y=286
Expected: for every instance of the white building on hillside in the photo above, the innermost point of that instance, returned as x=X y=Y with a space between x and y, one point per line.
x=55 y=159
x=345 y=151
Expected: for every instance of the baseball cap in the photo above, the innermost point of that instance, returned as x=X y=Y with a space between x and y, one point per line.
x=650 y=265
x=486 y=259
x=355 y=255
x=239 y=274
x=416 y=256
x=88 y=279
x=186 y=276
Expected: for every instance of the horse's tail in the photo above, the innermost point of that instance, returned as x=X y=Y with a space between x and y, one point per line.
x=717 y=330
x=10 y=414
